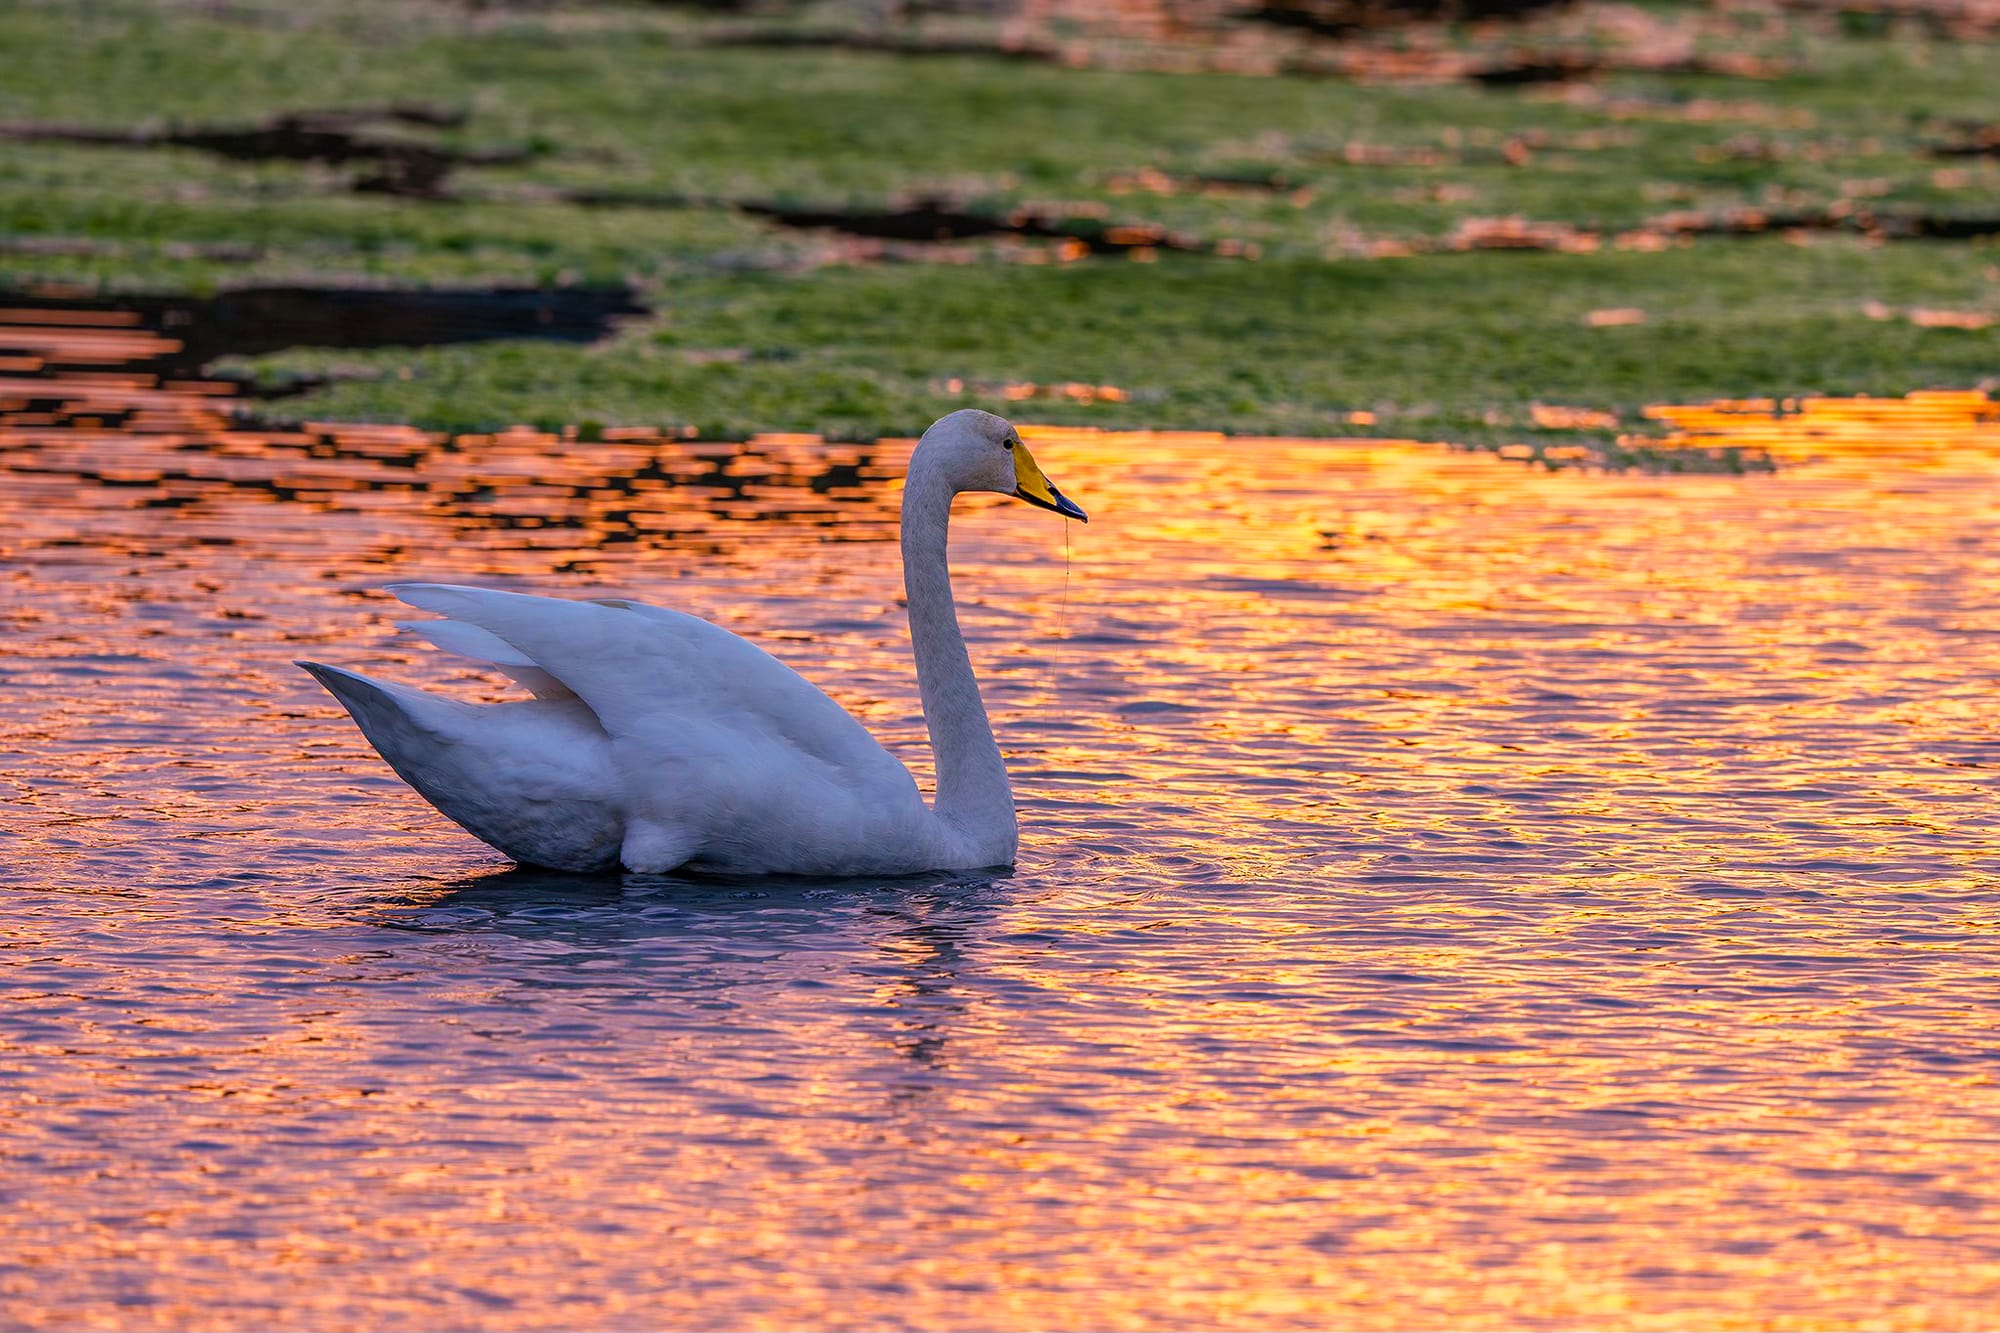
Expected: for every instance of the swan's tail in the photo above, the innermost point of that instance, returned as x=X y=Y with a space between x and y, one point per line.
x=530 y=778
x=388 y=715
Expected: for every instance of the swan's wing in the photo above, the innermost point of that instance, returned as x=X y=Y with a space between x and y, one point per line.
x=642 y=669
x=463 y=640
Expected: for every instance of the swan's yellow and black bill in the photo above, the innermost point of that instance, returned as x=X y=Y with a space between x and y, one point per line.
x=1034 y=486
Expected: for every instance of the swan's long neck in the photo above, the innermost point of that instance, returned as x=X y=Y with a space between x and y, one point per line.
x=973 y=796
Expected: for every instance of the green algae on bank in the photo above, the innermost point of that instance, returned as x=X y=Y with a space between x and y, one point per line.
x=1455 y=347
x=760 y=327
x=630 y=102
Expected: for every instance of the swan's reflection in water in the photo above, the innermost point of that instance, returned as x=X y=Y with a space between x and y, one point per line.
x=701 y=940
x=1453 y=895
x=532 y=902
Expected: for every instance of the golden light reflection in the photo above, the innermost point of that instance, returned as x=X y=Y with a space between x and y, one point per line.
x=1455 y=894
x=1937 y=429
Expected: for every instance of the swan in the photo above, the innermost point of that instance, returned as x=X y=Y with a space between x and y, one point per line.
x=657 y=741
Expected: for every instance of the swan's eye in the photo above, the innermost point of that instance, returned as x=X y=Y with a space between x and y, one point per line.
x=1010 y=446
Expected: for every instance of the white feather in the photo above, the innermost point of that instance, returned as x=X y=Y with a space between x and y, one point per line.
x=465 y=640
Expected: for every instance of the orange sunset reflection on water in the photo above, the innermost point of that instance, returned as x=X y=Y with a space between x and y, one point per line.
x=1453 y=894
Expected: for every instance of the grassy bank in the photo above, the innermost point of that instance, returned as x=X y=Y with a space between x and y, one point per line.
x=1340 y=209
x=1446 y=346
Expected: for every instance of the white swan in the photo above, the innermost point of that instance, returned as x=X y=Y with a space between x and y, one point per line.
x=658 y=741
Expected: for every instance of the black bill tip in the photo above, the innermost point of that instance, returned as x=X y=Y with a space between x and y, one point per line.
x=1065 y=506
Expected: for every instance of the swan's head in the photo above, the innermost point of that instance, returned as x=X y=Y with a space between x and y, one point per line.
x=978 y=451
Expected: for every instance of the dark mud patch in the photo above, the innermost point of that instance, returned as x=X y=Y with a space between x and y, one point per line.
x=1972 y=141
x=926 y=221
x=933 y=220
x=1882 y=225
x=1381 y=63
x=1345 y=18
x=392 y=165
x=1523 y=234
x=1527 y=71
x=1554 y=67
x=187 y=333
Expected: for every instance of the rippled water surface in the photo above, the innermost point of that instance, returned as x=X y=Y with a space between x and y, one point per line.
x=1452 y=894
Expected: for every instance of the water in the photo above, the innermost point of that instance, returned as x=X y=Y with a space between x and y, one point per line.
x=1452 y=894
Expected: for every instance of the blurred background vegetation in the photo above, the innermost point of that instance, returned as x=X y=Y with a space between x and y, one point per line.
x=1481 y=222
